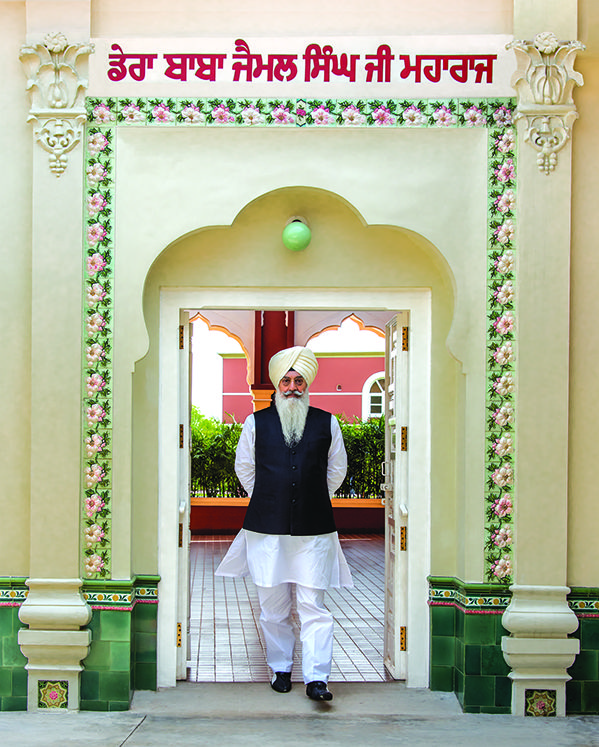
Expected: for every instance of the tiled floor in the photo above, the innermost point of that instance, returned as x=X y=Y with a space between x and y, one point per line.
x=226 y=640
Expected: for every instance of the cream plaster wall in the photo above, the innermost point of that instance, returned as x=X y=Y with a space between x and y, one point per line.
x=15 y=298
x=208 y=179
x=204 y=178
x=114 y=18
x=583 y=525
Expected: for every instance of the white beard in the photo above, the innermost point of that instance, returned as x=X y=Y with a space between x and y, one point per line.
x=293 y=411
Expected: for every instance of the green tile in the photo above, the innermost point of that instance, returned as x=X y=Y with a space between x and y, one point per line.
x=503 y=692
x=479 y=691
x=19 y=682
x=11 y=653
x=492 y=661
x=590 y=697
x=99 y=656
x=585 y=666
x=496 y=709
x=95 y=625
x=442 y=679
x=145 y=647
x=459 y=654
x=576 y=633
x=145 y=617
x=443 y=620
x=115 y=686
x=116 y=626
x=89 y=685
x=93 y=705
x=144 y=676
x=500 y=631
x=6 y=622
x=479 y=629
x=471 y=660
x=120 y=656
x=14 y=704
x=459 y=623
x=118 y=705
x=459 y=685
x=573 y=697
x=589 y=634
x=5 y=682
x=442 y=651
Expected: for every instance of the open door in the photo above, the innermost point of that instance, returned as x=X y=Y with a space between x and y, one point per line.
x=395 y=487
x=183 y=495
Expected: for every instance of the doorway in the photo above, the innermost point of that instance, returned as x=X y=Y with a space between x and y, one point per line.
x=173 y=488
x=225 y=639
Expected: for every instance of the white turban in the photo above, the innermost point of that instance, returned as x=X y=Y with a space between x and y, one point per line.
x=297 y=359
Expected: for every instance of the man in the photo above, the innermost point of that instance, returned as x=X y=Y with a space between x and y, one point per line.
x=290 y=459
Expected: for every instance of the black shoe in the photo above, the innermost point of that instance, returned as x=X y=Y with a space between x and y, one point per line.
x=318 y=691
x=281 y=682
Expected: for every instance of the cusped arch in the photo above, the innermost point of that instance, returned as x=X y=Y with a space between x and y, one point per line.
x=344 y=251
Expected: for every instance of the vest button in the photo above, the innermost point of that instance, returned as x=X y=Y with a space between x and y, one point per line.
x=294 y=466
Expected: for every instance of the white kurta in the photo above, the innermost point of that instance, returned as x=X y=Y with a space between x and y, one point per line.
x=316 y=561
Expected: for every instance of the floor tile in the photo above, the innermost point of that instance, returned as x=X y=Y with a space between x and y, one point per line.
x=226 y=641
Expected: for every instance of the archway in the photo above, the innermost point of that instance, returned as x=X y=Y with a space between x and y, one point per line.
x=382 y=268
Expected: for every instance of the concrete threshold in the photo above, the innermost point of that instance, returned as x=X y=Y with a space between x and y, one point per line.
x=251 y=714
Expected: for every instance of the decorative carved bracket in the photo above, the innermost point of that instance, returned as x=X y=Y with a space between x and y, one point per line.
x=544 y=82
x=57 y=95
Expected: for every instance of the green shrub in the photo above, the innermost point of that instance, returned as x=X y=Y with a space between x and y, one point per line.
x=213 y=447
x=365 y=446
x=213 y=457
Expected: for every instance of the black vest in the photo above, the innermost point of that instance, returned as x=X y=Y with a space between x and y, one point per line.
x=290 y=491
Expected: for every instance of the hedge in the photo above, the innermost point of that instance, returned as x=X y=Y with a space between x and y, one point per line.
x=213 y=457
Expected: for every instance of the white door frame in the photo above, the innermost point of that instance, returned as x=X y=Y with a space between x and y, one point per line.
x=418 y=303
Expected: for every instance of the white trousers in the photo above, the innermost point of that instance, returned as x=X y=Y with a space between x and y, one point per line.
x=316 y=633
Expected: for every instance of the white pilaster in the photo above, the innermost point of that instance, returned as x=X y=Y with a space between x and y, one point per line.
x=55 y=65
x=539 y=651
x=54 y=644
x=538 y=618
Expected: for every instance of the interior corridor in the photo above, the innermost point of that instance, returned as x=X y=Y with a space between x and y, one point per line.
x=225 y=635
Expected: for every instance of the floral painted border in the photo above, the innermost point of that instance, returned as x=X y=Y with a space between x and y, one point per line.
x=97 y=365
x=172 y=112
x=104 y=115
x=116 y=600
x=13 y=597
x=478 y=599
x=501 y=353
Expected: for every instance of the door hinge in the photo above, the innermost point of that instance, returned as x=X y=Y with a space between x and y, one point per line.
x=181 y=435
x=403 y=538
x=180 y=534
x=181 y=337
x=404 y=339
x=403 y=638
x=404 y=438
x=178 y=635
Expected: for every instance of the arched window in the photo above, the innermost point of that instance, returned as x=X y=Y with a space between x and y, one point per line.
x=373 y=396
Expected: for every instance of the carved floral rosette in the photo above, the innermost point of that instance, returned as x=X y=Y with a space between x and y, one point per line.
x=57 y=95
x=544 y=81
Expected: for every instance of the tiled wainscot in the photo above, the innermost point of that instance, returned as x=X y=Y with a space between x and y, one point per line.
x=122 y=655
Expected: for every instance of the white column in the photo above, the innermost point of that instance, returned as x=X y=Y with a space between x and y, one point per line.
x=55 y=609
x=538 y=618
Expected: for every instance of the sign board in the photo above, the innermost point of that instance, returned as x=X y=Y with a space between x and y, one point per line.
x=341 y=67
